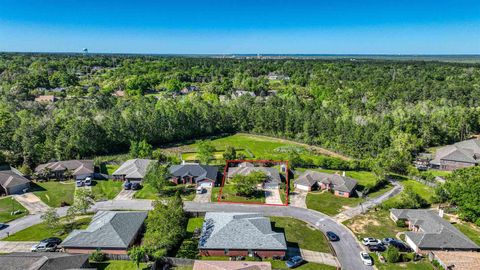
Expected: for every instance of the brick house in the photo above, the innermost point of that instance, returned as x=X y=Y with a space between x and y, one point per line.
x=80 y=169
x=340 y=185
x=459 y=155
x=200 y=175
x=133 y=170
x=240 y=234
x=273 y=178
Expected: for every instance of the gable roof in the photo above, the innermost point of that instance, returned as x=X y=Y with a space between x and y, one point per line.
x=240 y=231
x=231 y=265
x=339 y=182
x=435 y=232
x=467 y=151
x=108 y=229
x=79 y=167
x=133 y=168
x=199 y=172
x=272 y=173
x=11 y=177
x=42 y=261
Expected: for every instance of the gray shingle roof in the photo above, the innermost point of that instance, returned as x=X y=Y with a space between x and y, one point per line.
x=108 y=229
x=338 y=182
x=272 y=173
x=42 y=261
x=465 y=151
x=10 y=177
x=435 y=232
x=78 y=167
x=240 y=231
x=133 y=168
x=199 y=172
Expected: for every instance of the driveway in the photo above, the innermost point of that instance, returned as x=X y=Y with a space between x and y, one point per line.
x=319 y=257
x=205 y=197
x=32 y=203
x=125 y=195
x=272 y=196
x=298 y=198
x=363 y=207
x=11 y=246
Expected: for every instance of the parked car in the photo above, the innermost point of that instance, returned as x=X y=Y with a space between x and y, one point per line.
x=400 y=245
x=136 y=186
x=127 y=185
x=200 y=190
x=386 y=241
x=79 y=183
x=44 y=247
x=379 y=247
x=295 y=261
x=332 y=236
x=3 y=226
x=88 y=181
x=366 y=259
x=369 y=241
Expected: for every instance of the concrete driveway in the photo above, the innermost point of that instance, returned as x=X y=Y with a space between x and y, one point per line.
x=319 y=257
x=205 y=197
x=11 y=246
x=32 y=203
x=298 y=198
x=125 y=195
x=272 y=196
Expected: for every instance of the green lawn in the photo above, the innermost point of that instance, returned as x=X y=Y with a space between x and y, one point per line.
x=149 y=193
x=440 y=173
x=327 y=203
x=420 y=265
x=7 y=206
x=120 y=265
x=424 y=191
x=375 y=224
x=111 y=168
x=106 y=189
x=41 y=231
x=299 y=234
x=228 y=195
x=53 y=193
x=194 y=223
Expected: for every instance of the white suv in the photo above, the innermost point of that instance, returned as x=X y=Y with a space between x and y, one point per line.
x=366 y=259
x=371 y=241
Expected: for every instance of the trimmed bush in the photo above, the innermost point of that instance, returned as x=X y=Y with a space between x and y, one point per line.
x=98 y=256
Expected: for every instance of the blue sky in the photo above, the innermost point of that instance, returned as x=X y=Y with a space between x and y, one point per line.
x=247 y=26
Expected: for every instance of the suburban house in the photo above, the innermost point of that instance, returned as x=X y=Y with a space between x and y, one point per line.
x=200 y=175
x=43 y=261
x=189 y=89
x=239 y=93
x=240 y=234
x=12 y=181
x=46 y=98
x=79 y=169
x=275 y=76
x=340 y=185
x=133 y=170
x=231 y=265
x=273 y=176
x=458 y=155
x=429 y=231
x=112 y=232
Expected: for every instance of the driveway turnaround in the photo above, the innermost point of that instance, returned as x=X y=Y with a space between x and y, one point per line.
x=11 y=246
x=31 y=202
x=205 y=197
x=347 y=249
x=363 y=207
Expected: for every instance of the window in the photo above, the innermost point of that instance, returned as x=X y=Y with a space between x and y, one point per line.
x=226 y=251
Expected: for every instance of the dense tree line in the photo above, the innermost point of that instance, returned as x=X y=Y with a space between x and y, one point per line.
x=365 y=109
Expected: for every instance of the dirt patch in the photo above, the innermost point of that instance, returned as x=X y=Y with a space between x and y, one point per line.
x=359 y=226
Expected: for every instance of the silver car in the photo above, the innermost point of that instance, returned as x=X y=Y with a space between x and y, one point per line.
x=44 y=247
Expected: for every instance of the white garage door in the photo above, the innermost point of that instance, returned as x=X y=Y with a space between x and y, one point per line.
x=206 y=184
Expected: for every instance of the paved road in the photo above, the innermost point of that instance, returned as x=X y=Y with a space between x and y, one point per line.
x=347 y=249
x=355 y=211
x=12 y=246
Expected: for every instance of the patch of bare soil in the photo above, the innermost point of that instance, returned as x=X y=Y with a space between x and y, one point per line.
x=358 y=227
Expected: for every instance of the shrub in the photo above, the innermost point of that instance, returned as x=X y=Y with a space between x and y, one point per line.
x=188 y=249
x=98 y=256
x=401 y=223
x=392 y=255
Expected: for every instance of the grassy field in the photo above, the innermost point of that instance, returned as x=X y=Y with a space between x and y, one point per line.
x=120 y=265
x=41 y=231
x=228 y=194
x=424 y=191
x=373 y=224
x=420 y=265
x=111 y=168
x=299 y=234
x=149 y=193
x=194 y=223
x=327 y=203
x=53 y=193
x=7 y=205
x=106 y=189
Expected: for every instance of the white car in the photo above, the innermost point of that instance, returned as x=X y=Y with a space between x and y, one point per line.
x=369 y=241
x=200 y=190
x=44 y=247
x=366 y=259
